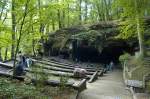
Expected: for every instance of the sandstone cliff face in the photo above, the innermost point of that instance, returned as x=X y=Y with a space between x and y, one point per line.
x=96 y=43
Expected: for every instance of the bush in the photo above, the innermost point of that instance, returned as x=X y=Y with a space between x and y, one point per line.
x=40 y=75
x=63 y=81
x=124 y=57
x=17 y=90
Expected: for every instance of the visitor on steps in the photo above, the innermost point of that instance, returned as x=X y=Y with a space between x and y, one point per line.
x=111 y=66
x=107 y=67
x=28 y=62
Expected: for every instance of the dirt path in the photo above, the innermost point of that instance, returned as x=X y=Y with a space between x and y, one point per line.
x=110 y=86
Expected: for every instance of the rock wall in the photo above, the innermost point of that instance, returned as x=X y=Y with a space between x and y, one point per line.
x=94 y=43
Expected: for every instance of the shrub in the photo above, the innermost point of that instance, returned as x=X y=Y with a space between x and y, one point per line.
x=63 y=81
x=124 y=57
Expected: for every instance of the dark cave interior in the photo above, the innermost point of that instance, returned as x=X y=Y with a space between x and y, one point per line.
x=112 y=49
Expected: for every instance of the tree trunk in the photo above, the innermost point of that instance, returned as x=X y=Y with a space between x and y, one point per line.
x=109 y=9
x=59 y=19
x=33 y=47
x=4 y=18
x=91 y=15
x=53 y=24
x=42 y=26
x=140 y=35
x=20 y=35
x=13 y=29
x=0 y=54
x=33 y=44
x=63 y=18
x=106 y=11
x=99 y=12
x=140 y=38
x=68 y=21
x=86 y=11
x=6 y=51
x=47 y=28
x=80 y=13
x=1 y=15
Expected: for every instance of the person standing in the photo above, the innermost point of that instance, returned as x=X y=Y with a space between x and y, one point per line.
x=28 y=62
x=111 y=66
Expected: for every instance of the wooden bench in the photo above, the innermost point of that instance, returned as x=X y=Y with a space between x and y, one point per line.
x=21 y=78
x=54 y=73
x=94 y=77
x=7 y=60
x=53 y=83
x=40 y=72
x=61 y=66
x=64 y=64
x=6 y=65
x=77 y=86
x=58 y=69
x=80 y=86
x=101 y=73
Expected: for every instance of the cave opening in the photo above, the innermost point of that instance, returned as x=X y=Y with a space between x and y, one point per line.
x=81 y=51
x=111 y=51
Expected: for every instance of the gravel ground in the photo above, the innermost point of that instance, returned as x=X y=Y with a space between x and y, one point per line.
x=110 y=86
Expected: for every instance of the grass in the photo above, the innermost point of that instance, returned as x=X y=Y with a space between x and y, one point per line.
x=14 y=89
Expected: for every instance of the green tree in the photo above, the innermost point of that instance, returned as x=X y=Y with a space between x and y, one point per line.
x=20 y=31
x=3 y=16
x=133 y=12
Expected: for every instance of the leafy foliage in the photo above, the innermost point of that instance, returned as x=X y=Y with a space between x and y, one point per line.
x=17 y=90
x=89 y=36
x=131 y=9
x=124 y=57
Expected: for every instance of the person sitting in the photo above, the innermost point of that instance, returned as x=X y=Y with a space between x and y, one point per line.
x=21 y=65
x=83 y=72
x=19 y=70
x=23 y=61
x=79 y=72
x=76 y=72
